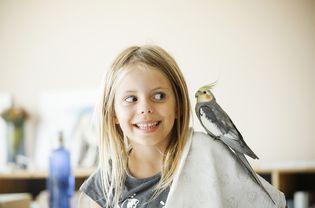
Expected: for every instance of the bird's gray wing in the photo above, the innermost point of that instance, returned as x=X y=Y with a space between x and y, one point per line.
x=237 y=146
x=225 y=121
x=230 y=134
x=207 y=121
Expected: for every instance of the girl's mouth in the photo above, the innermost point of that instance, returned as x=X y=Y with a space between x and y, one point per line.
x=148 y=126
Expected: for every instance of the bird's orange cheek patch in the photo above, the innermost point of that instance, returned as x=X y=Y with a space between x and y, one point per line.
x=209 y=97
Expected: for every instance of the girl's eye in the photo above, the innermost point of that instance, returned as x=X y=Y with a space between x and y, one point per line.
x=159 y=96
x=131 y=99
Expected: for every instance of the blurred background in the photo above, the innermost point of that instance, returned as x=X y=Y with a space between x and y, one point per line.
x=53 y=55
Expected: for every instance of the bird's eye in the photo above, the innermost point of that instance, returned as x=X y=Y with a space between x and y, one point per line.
x=204 y=92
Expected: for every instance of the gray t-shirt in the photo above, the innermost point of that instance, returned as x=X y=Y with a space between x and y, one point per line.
x=137 y=193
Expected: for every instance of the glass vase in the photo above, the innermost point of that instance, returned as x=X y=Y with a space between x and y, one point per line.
x=15 y=141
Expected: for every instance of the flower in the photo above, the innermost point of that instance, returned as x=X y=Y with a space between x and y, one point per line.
x=14 y=115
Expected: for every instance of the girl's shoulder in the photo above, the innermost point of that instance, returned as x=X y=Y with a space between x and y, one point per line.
x=204 y=146
x=203 y=140
x=92 y=187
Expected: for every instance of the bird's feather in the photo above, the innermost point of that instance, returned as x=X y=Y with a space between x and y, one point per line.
x=217 y=119
x=241 y=157
x=209 y=125
x=218 y=124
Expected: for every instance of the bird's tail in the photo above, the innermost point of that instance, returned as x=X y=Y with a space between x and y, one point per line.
x=244 y=161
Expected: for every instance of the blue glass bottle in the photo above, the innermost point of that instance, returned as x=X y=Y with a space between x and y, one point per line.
x=60 y=180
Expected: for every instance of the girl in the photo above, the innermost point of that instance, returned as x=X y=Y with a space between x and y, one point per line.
x=145 y=106
x=148 y=155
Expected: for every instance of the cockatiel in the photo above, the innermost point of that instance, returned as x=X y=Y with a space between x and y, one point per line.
x=219 y=126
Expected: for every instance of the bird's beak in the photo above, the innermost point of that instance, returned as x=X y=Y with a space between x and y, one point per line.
x=197 y=94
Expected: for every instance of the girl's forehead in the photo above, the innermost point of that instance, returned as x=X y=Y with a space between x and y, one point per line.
x=142 y=76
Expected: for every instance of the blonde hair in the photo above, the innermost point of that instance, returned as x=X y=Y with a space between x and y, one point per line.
x=113 y=154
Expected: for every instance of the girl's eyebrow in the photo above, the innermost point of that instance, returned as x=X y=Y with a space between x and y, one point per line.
x=160 y=88
x=154 y=89
x=129 y=91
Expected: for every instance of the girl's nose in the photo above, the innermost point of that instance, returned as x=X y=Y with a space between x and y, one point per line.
x=146 y=111
x=145 y=108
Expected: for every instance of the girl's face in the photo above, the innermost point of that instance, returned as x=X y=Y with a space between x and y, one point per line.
x=145 y=106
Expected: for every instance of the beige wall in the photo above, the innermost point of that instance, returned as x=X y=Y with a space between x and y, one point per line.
x=263 y=53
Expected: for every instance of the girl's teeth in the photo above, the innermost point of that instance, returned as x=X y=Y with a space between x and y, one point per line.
x=147 y=125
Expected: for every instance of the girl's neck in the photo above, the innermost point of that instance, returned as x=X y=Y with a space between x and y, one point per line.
x=145 y=162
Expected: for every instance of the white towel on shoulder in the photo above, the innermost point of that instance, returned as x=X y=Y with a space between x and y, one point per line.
x=210 y=176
